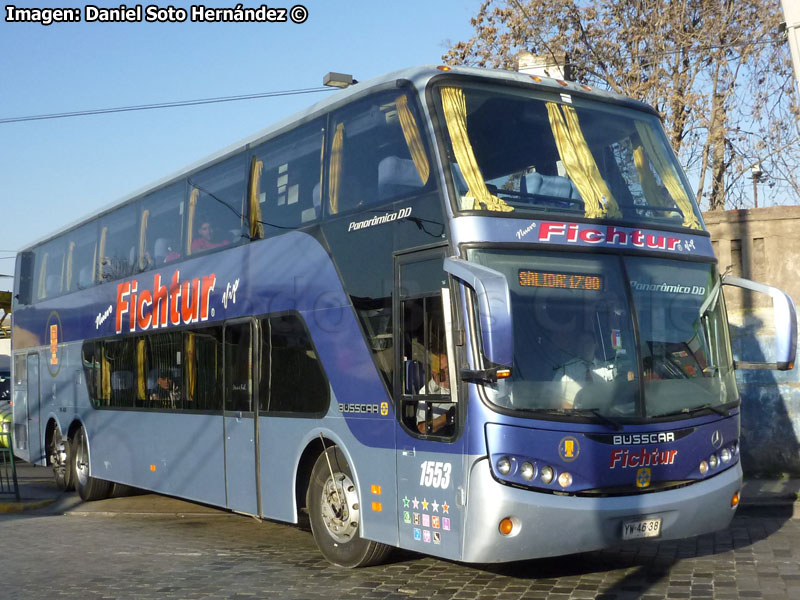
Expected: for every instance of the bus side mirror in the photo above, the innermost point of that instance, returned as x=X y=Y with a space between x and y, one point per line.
x=785 y=322
x=494 y=307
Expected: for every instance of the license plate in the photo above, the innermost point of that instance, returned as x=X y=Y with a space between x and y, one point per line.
x=645 y=528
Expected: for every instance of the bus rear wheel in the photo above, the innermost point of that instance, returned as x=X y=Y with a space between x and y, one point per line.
x=89 y=488
x=334 y=510
x=61 y=461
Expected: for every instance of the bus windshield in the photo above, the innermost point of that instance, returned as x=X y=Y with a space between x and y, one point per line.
x=580 y=348
x=533 y=153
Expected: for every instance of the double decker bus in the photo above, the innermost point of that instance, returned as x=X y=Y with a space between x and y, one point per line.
x=469 y=313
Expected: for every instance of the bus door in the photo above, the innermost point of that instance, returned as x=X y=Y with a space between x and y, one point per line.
x=33 y=407
x=430 y=464
x=240 y=418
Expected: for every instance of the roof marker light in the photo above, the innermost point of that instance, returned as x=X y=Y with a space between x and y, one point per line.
x=443 y=68
x=536 y=78
x=562 y=82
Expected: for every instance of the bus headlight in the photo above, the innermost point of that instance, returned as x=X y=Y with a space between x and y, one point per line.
x=527 y=471
x=713 y=461
x=703 y=467
x=565 y=480
x=725 y=455
x=504 y=466
x=547 y=475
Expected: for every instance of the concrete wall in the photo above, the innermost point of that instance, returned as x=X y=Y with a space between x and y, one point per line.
x=761 y=244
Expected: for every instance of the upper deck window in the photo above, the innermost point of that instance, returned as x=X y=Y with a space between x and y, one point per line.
x=217 y=215
x=521 y=152
x=377 y=153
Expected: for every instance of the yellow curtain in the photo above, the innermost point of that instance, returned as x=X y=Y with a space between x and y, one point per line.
x=454 y=104
x=68 y=275
x=190 y=220
x=256 y=226
x=42 y=291
x=649 y=184
x=580 y=164
x=94 y=264
x=143 y=241
x=105 y=376
x=191 y=374
x=101 y=255
x=666 y=170
x=413 y=139
x=336 y=169
x=141 y=375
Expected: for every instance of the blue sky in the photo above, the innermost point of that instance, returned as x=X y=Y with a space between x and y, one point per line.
x=54 y=172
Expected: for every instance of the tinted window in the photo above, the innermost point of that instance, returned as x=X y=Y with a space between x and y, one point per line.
x=81 y=257
x=204 y=369
x=292 y=378
x=162 y=223
x=288 y=189
x=118 y=373
x=377 y=153
x=217 y=215
x=49 y=269
x=119 y=238
x=238 y=368
x=163 y=375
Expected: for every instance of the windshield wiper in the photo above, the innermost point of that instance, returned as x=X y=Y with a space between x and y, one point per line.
x=566 y=412
x=695 y=409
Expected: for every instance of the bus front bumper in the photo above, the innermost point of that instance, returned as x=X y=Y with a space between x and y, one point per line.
x=550 y=525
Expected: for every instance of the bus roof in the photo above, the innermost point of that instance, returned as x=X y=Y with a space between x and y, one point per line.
x=419 y=77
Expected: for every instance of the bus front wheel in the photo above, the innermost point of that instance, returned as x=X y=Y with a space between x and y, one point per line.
x=334 y=510
x=89 y=488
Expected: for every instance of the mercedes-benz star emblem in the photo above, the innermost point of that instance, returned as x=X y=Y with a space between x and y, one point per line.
x=716 y=439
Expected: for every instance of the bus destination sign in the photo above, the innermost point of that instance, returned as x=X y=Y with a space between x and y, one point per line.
x=564 y=281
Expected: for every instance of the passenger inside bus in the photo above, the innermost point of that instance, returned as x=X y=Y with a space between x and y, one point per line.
x=164 y=390
x=204 y=237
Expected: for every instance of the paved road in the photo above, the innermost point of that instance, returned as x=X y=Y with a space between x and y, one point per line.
x=94 y=551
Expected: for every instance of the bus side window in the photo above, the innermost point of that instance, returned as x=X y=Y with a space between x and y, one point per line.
x=377 y=153
x=238 y=367
x=119 y=239
x=291 y=376
x=217 y=215
x=288 y=191
x=81 y=258
x=49 y=269
x=161 y=217
x=425 y=368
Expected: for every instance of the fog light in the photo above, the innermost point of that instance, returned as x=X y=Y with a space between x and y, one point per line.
x=547 y=475
x=703 y=468
x=527 y=471
x=735 y=500
x=506 y=526
x=725 y=455
x=713 y=461
x=504 y=466
x=565 y=480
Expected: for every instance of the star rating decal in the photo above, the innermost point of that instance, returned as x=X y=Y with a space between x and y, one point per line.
x=435 y=506
x=415 y=502
x=405 y=502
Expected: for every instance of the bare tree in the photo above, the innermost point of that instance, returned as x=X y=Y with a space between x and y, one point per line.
x=718 y=71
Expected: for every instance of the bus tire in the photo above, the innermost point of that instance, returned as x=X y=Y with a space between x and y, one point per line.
x=335 y=525
x=89 y=488
x=60 y=456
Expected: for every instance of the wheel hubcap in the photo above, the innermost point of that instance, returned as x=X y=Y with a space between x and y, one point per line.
x=82 y=460
x=340 y=509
